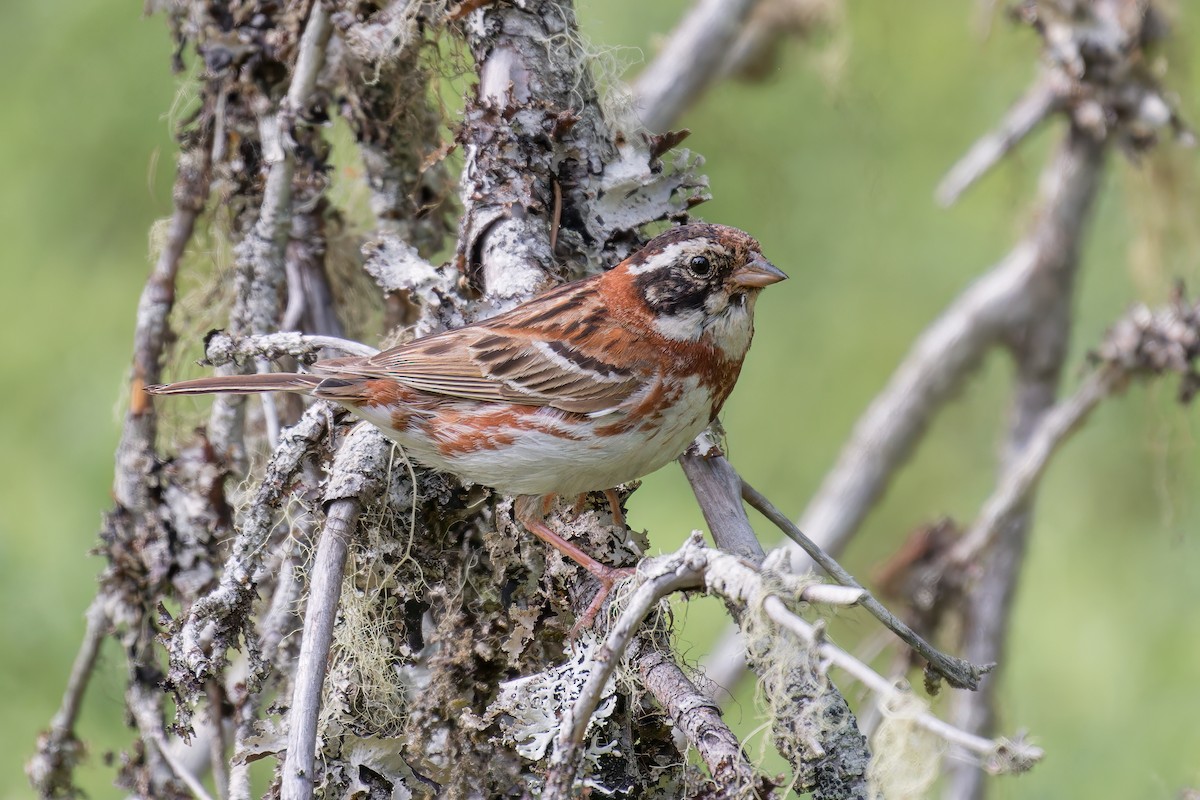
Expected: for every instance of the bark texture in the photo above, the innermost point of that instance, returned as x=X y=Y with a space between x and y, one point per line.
x=285 y=584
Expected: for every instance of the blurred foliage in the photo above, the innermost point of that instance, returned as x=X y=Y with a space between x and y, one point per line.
x=831 y=163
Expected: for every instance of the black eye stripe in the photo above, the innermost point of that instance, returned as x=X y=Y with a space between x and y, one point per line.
x=683 y=281
x=672 y=292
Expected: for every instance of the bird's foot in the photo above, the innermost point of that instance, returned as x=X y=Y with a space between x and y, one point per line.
x=608 y=577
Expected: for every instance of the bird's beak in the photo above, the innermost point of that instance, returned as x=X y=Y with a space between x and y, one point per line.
x=757 y=273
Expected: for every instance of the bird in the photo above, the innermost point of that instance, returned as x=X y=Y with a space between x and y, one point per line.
x=587 y=386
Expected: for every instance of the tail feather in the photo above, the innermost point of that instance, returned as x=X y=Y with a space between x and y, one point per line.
x=241 y=384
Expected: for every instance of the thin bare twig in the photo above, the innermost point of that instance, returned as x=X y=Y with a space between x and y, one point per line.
x=180 y=769
x=217 y=749
x=739 y=582
x=960 y=673
x=58 y=748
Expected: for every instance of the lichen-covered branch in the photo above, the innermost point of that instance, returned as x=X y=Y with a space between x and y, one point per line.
x=431 y=660
x=680 y=573
x=136 y=450
x=698 y=717
x=260 y=278
x=218 y=620
x=814 y=720
x=58 y=750
x=355 y=481
x=960 y=673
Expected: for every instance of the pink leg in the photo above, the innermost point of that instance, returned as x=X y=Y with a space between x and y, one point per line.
x=614 y=506
x=526 y=511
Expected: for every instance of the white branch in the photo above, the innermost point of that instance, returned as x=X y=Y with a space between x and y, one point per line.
x=1042 y=100
x=690 y=60
x=1017 y=755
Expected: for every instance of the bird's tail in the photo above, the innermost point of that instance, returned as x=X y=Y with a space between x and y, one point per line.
x=241 y=384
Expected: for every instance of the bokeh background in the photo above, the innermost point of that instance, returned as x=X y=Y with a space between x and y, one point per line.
x=831 y=163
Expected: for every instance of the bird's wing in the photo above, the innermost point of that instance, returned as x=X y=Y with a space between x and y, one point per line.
x=524 y=356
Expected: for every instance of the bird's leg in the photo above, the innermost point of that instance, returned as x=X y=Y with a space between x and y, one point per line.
x=580 y=504
x=527 y=512
x=614 y=507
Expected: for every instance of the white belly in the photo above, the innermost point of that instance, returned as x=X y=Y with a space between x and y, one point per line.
x=539 y=462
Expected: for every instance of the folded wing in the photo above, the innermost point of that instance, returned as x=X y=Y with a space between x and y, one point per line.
x=521 y=357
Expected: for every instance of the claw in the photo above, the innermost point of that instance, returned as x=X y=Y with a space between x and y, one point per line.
x=607 y=581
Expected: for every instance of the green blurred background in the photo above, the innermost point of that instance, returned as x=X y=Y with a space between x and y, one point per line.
x=831 y=164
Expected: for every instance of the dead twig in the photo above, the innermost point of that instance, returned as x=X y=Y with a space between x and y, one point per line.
x=355 y=481
x=959 y=673
x=691 y=59
x=58 y=749
x=675 y=574
x=1038 y=104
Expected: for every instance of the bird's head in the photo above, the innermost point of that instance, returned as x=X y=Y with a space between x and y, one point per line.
x=699 y=282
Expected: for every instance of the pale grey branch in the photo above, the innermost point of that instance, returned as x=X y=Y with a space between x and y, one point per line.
x=1043 y=99
x=58 y=749
x=355 y=481
x=691 y=59
x=717 y=488
x=1021 y=478
x=1039 y=344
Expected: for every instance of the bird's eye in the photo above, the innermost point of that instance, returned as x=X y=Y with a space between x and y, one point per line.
x=700 y=266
